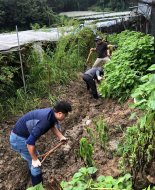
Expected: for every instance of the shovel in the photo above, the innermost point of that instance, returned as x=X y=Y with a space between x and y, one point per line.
x=85 y=66
x=44 y=156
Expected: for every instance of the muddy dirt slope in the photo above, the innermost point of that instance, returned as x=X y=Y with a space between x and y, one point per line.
x=66 y=161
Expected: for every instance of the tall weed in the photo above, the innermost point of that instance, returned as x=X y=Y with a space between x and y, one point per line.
x=138 y=145
x=22 y=103
x=129 y=62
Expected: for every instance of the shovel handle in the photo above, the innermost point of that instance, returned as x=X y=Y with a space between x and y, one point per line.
x=50 y=151
x=89 y=56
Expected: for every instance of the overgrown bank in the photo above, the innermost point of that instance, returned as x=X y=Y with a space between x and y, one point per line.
x=44 y=67
x=58 y=67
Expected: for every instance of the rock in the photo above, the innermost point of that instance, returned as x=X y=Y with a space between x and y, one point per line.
x=53 y=184
x=88 y=122
x=151 y=179
x=66 y=148
x=113 y=144
x=1 y=186
x=1 y=162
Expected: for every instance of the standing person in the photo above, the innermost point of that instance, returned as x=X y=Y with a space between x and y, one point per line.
x=90 y=76
x=102 y=52
x=30 y=127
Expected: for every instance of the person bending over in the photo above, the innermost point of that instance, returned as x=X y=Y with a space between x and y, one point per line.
x=30 y=127
x=90 y=77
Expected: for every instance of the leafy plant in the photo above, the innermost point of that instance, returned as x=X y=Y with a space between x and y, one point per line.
x=37 y=187
x=6 y=79
x=58 y=66
x=35 y=26
x=100 y=135
x=149 y=188
x=82 y=180
x=86 y=151
x=144 y=94
x=138 y=145
x=72 y=49
x=129 y=62
x=123 y=182
x=101 y=129
x=43 y=68
x=91 y=135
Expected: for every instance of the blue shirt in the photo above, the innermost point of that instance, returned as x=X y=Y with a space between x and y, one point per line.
x=94 y=72
x=34 y=124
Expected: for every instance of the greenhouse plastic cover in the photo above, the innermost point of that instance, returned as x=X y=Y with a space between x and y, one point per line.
x=9 y=41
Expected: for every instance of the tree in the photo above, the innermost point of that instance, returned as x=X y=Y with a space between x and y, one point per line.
x=23 y=13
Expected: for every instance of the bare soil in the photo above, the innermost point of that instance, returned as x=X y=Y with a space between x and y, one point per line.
x=64 y=163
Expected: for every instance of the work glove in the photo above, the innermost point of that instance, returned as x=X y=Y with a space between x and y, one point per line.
x=63 y=139
x=99 y=78
x=36 y=163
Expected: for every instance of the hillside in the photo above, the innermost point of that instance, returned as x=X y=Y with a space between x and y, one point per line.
x=63 y=164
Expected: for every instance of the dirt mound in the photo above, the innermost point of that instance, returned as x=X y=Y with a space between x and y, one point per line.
x=65 y=162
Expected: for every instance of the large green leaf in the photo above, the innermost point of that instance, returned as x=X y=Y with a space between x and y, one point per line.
x=92 y=170
x=151 y=101
x=37 y=187
x=152 y=68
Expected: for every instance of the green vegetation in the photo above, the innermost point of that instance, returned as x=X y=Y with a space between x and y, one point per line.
x=100 y=136
x=23 y=13
x=128 y=64
x=83 y=180
x=45 y=12
x=137 y=152
x=138 y=146
x=22 y=102
x=113 y=5
x=36 y=187
x=86 y=151
x=44 y=67
x=144 y=94
x=102 y=131
x=125 y=74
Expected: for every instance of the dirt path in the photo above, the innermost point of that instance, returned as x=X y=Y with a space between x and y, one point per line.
x=64 y=163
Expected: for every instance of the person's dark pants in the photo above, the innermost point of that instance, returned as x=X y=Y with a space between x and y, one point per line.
x=19 y=145
x=91 y=85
